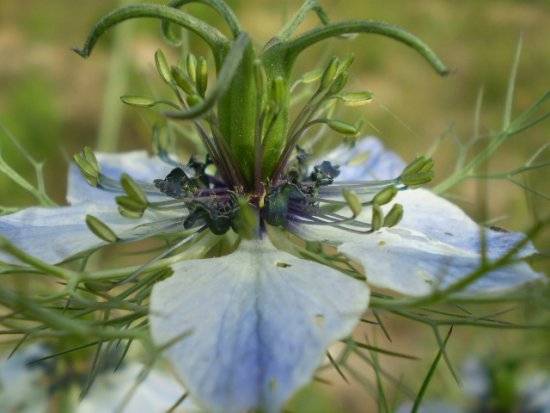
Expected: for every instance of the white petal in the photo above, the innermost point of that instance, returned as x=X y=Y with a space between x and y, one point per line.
x=138 y=164
x=367 y=160
x=54 y=234
x=156 y=394
x=259 y=323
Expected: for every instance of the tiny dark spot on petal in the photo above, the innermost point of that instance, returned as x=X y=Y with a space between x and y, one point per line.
x=272 y=384
x=382 y=243
x=320 y=320
x=283 y=265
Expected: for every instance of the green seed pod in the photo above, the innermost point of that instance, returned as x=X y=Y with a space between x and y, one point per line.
x=132 y=189
x=377 y=217
x=385 y=196
x=139 y=101
x=394 y=216
x=100 y=229
x=342 y=127
x=329 y=73
x=163 y=67
x=353 y=201
x=202 y=76
x=191 y=64
x=183 y=81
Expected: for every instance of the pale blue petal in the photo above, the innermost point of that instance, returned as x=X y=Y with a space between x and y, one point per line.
x=21 y=385
x=259 y=322
x=435 y=245
x=367 y=160
x=410 y=263
x=443 y=221
x=156 y=394
x=138 y=164
x=54 y=234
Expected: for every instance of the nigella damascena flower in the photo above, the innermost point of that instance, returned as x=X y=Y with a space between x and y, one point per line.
x=259 y=320
x=305 y=232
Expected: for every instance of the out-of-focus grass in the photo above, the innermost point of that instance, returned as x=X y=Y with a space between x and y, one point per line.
x=50 y=98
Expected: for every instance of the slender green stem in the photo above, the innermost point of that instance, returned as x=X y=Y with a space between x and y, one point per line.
x=111 y=116
x=218 y=5
x=212 y=36
x=305 y=40
x=292 y=25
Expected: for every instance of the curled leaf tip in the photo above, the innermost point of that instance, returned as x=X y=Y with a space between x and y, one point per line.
x=81 y=52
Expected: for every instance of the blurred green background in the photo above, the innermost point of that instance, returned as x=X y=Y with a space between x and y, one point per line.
x=54 y=102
